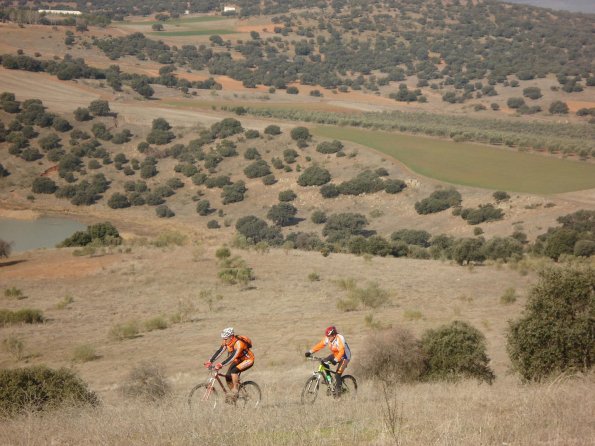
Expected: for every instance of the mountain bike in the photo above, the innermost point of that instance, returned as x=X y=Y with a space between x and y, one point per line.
x=324 y=376
x=209 y=394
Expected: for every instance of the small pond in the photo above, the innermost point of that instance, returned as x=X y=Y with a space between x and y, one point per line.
x=45 y=232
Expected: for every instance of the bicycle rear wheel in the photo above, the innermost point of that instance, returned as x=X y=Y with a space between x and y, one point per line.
x=203 y=395
x=310 y=391
x=349 y=387
x=249 y=395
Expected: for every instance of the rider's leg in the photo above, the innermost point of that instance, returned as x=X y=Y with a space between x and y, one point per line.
x=338 y=377
x=241 y=367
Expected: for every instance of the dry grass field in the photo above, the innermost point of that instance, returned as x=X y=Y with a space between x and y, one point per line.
x=283 y=312
x=174 y=303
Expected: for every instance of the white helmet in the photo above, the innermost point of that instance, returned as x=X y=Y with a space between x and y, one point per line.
x=227 y=332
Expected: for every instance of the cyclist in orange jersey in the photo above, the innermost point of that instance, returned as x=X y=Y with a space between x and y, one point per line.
x=239 y=356
x=341 y=354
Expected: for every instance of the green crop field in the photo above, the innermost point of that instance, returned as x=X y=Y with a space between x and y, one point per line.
x=195 y=32
x=178 y=21
x=473 y=164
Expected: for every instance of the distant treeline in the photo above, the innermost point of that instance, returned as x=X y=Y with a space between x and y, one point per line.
x=70 y=68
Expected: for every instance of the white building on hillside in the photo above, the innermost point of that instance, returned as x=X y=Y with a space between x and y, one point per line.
x=59 y=11
x=229 y=9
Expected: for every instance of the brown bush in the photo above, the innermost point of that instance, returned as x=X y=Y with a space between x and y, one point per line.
x=147 y=381
x=392 y=356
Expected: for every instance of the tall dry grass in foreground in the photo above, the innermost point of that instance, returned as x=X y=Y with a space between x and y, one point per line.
x=558 y=413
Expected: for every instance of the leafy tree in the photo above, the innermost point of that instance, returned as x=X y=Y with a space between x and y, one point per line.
x=467 y=250
x=142 y=87
x=44 y=185
x=300 y=134
x=226 y=128
x=257 y=169
x=394 y=186
x=318 y=217
x=282 y=214
x=82 y=114
x=438 y=201
x=485 y=212
x=100 y=107
x=558 y=108
x=272 y=130
x=456 y=351
x=203 y=207
x=61 y=125
x=164 y=211
x=500 y=196
x=557 y=330
x=314 y=176
x=5 y=248
x=503 y=248
x=412 y=237
x=342 y=226
x=233 y=193
x=287 y=195
x=515 y=102
x=256 y=230
x=328 y=147
x=532 y=93
x=329 y=191
x=118 y=201
x=560 y=241
x=251 y=154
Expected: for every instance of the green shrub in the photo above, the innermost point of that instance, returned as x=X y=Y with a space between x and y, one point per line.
x=272 y=130
x=314 y=176
x=39 y=388
x=256 y=230
x=163 y=211
x=282 y=214
x=371 y=296
x=226 y=128
x=84 y=353
x=203 y=207
x=14 y=346
x=313 y=277
x=128 y=330
x=392 y=356
x=22 y=316
x=43 y=185
x=556 y=331
x=252 y=154
x=213 y=224
x=501 y=196
x=234 y=270
x=467 y=250
x=233 y=193
x=456 y=351
x=287 y=195
x=484 y=213
x=342 y=226
x=156 y=323
x=257 y=169
x=300 y=134
x=14 y=293
x=269 y=180
x=329 y=191
x=318 y=217
x=438 y=201
x=366 y=182
x=147 y=381
x=584 y=248
x=118 y=201
x=412 y=237
x=394 y=186
x=509 y=296
x=327 y=147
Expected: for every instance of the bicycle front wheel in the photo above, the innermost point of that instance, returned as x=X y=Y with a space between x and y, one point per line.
x=310 y=391
x=204 y=395
x=249 y=395
x=349 y=387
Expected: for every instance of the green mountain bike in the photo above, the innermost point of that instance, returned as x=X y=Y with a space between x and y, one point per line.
x=324 y=376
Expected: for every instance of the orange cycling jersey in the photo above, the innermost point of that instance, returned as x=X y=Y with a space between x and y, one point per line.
x=338 y=346
x=238 y=351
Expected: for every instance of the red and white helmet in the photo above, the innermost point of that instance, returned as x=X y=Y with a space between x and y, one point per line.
x=331 y=331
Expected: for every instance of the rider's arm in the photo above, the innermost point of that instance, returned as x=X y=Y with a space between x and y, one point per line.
x=217 y=353
x=319 y=346
x=237 y=351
